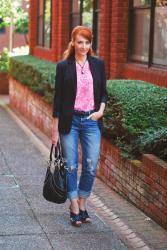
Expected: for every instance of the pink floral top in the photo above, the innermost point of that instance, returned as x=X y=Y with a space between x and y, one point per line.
x=85 y=97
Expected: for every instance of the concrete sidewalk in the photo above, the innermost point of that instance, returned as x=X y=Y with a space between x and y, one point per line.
x=27 y=221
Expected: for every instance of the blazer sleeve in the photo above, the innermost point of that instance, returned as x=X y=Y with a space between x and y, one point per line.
x=104 y=95
x=58 y=91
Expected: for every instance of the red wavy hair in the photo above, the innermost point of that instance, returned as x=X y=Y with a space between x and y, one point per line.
x=78 y=30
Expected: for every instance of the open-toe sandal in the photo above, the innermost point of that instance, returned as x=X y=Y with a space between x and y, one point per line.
x=84 y=217
x=75 y=219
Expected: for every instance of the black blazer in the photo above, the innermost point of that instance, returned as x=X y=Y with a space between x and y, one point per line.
x=66 y=86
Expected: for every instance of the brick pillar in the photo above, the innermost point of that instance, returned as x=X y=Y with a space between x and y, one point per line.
x=119 y=37
x=60 y=27
x=105 y=28
x=32 y=25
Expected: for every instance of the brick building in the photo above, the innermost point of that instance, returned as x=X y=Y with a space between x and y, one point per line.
x=130 y=35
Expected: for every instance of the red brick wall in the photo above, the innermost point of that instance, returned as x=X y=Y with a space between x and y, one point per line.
x=31 y=105
x=105 y=33
x=154 y=75
x=142 y=183
x=32 y=25
x=4 y=84
x=119 y=37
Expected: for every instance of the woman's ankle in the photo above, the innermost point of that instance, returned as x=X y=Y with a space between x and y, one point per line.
x=82 y=208
x=82 y=204
x=74 y=207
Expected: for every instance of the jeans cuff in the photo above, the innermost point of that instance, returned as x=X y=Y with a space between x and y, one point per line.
x=83 y=194
x=72 y=195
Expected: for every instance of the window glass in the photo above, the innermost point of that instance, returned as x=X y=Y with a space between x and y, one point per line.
x=140 y=35
x=47 y=23
x=40 y=22
x=140 y=3
x=160 y=33
x=87 y=15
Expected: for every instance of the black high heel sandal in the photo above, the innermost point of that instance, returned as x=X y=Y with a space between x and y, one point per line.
x=84 y=216
x=75 y=219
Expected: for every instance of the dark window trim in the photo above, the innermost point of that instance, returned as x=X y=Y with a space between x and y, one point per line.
x=151 y=40
x=96 y=11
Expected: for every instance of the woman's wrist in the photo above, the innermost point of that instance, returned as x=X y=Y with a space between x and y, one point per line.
x=100 y=113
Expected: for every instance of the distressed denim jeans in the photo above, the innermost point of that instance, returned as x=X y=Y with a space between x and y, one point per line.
x=89 y=134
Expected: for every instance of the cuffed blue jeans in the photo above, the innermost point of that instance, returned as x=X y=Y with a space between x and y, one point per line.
x=89 y=134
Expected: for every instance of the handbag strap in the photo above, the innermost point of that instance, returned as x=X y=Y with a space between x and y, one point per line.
x=57 y=152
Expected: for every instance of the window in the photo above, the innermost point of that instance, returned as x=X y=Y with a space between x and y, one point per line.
x=148 y=32
x=44 y=23
x=86 y=12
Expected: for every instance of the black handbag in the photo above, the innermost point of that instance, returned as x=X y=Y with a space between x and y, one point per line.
x=55 y=183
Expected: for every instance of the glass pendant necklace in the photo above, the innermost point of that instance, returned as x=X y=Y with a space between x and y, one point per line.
x=82 y=66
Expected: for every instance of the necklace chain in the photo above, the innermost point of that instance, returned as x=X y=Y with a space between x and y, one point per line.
x=82 y=66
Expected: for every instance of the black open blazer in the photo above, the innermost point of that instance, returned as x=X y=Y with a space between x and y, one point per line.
x=66 y=87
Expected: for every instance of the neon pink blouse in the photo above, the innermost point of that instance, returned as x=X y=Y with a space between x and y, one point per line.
x=85 y=97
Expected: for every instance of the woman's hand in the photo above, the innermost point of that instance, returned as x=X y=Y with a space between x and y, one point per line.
x=96 y=115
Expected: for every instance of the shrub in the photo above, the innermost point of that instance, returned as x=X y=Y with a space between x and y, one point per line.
x=35 y=73
x=136 y=117
x=136 y=114
x=4 y=60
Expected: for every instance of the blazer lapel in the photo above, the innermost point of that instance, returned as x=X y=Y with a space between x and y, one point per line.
x=92 y=67
x=72 y=71
x=93 y=71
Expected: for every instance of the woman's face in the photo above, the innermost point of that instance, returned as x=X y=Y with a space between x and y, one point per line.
x=82 y=45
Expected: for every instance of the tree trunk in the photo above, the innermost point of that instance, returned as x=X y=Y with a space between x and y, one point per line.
x=11 y=35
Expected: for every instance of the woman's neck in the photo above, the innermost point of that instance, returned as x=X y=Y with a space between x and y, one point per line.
x=81 y=58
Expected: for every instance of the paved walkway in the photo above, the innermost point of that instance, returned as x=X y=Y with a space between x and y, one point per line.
x=27 y=221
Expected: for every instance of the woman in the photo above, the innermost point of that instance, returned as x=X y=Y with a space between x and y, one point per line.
x=79 y=103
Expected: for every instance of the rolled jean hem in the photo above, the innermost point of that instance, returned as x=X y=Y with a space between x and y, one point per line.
x=72 y=195
x=83 y=194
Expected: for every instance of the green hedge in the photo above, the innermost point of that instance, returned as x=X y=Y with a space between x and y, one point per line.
x=38 y=75
x=136 y=114
x=136 y=117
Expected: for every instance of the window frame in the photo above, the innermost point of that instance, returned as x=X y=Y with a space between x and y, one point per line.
x=149 y=63
x=43 y=25
x=95 y=19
